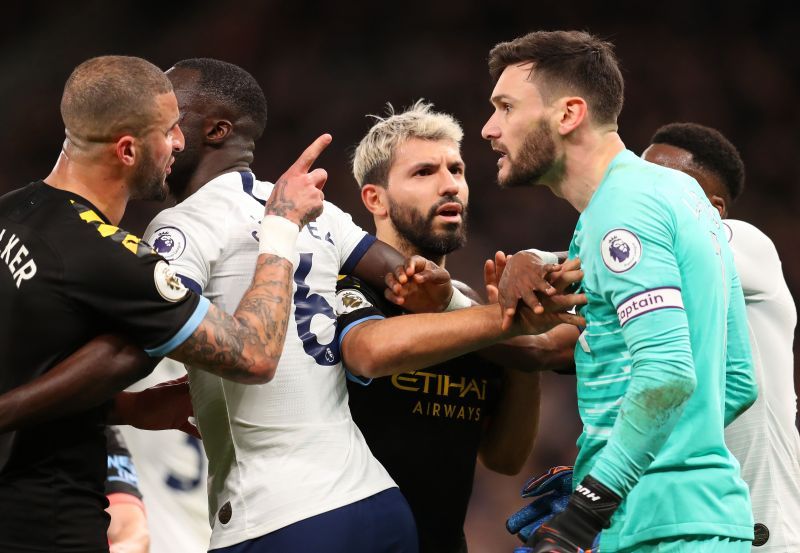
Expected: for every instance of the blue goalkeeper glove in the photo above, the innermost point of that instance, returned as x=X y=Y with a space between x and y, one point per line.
x=551 y=492
x=576 y=528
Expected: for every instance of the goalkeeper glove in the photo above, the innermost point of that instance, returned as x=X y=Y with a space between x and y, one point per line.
x=574 y=530
x=551 y=492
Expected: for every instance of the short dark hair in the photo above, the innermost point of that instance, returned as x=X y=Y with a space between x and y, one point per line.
x=709 y=149
x=109 y=96
x=573 y=60
x=230 y=86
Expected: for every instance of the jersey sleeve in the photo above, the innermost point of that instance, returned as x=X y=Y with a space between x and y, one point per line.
x=185 y=238
x=351 y=240
x=121 y=476
x=128 y=288
x=640 y=277
x=741 y=389
x=756 y=260
x=355 y=303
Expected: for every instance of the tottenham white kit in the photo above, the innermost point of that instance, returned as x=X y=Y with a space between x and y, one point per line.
x=765 y=439
x=172 y=471
x=287 y=450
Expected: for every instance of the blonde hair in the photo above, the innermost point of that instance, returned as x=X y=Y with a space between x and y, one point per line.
x=374 y=155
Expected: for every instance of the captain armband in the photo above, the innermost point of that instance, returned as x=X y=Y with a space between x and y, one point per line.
x=278 y=237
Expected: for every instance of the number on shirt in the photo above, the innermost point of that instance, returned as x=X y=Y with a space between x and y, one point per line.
x=306 y=306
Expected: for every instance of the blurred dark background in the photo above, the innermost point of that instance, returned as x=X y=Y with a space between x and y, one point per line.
x=325 y=65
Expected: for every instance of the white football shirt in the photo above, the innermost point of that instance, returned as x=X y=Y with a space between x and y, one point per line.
x=172 y=469
x=287 y=450
x=765 y=439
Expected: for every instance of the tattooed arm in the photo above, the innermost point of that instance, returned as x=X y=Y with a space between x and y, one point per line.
x=246 y=347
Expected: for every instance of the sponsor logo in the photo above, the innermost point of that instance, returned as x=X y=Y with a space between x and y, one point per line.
x=350 y=300
x=169 y=242
x=647 y=301
x=621 y=250
x=168 y=283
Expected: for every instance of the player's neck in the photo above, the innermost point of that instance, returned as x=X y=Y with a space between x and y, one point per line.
x=586 y=164
x=101 y=185
x=390 y=236
x=213 y=165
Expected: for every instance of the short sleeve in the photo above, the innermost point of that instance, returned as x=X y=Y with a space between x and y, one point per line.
x=355 y=303
x=351 y=240
x=128 y=288
x=189 y=244
x=756 y=260
x=121 y=476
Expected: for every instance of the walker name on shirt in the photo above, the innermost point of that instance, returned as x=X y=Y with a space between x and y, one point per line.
x=16 y=256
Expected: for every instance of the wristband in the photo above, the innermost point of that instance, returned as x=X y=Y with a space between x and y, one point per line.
x=278 y=237
x=458 y=301
x=546 y=257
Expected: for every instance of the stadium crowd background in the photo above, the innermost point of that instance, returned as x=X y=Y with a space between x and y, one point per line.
x=324 y=65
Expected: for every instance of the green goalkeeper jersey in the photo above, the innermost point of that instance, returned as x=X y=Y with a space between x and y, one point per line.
x=665 y=318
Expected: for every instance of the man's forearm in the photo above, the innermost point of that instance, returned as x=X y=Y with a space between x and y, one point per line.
x=246 y=346
x=553 y=350
x=85 y=379
x=411 y=342
x=510 y=432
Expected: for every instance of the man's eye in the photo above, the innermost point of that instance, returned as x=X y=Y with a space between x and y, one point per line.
x=423 y=172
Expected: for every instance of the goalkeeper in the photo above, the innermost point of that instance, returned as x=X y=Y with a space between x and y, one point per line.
x=664 y=362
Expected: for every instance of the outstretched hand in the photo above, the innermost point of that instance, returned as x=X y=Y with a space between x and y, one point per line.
x=297 y=194
x=166 y=406
x=419 y=286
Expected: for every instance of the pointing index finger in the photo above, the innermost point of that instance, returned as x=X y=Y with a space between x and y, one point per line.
x=310 y=154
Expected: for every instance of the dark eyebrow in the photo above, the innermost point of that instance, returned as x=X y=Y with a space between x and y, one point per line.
x=424 y=165
x=501 y=98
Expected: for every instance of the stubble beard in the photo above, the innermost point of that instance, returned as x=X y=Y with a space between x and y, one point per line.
x=535 y=159
x=148 y=179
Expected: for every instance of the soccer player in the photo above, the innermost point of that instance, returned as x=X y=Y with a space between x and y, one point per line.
x=288 y=467
x=127 y=530
x=656 y=385
x=427 y=427
x=764 y=439
x=72 y=273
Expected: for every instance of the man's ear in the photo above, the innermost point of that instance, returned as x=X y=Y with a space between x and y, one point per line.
x=126 y=150
x=374 y=198
x=218 y=130
x=719 y=203
x=572 y=112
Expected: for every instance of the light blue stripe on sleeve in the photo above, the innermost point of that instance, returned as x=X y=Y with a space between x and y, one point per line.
x=186 y=330
x=350 y=376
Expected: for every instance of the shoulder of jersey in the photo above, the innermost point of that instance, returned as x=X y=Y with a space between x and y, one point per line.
x=112 y=233
x=741 y=233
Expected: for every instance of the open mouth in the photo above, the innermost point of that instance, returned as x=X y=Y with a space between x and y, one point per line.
x=450 y=211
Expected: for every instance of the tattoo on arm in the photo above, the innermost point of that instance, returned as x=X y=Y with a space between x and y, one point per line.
x=232 y=346
x=278 y=203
